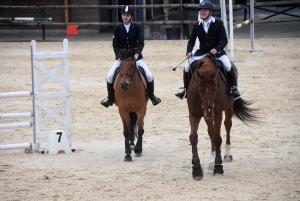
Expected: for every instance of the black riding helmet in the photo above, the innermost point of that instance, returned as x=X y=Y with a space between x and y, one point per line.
x=206 y=4
x=127 y=10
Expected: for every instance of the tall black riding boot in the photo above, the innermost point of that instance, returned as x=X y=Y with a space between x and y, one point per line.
x=234 y=91
x=150 y=91
x=111 y=96
x=182 y=94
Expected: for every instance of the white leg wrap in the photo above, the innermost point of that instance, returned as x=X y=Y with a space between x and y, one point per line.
x=212 y=160
x=228 y=149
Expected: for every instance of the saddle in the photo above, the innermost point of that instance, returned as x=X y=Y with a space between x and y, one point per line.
x=141 y=74
x=219 y=65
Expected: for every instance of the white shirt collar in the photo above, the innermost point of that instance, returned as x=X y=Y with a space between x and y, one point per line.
x=127 y=26
x=211 y=19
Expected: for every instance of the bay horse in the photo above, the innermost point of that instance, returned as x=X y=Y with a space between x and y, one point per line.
x=131 y=99
x=208 y=96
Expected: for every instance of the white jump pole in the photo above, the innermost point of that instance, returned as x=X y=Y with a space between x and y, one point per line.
x=26 y=146
x=16 y=146
x=16 y=115
x=15 y=94
x=16 y=125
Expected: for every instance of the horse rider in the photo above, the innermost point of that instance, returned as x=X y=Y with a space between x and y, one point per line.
x=213 y=39
x=128 y=35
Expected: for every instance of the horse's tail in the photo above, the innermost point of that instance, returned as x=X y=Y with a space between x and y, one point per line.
x=242 y=111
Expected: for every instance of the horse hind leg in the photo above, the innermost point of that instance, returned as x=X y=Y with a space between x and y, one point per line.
x=228 y=124
x=133 y=118
x=212 y=159
x=127 y=157
x=228 y=156
x=138 y=150
x=127 y=132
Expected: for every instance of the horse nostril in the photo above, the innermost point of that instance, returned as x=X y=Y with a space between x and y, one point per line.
x=124 y=85
x=209 y=118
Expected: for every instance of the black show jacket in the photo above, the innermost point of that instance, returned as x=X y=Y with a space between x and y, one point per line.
x=216 y=37
x=123 y=40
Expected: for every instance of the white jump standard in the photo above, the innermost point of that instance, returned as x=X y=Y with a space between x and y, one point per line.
x=38 y=106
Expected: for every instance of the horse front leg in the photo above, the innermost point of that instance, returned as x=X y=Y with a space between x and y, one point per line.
x=210 y=130
x=138 y=150
x=197 y=169
x=228 y=124
x=217 y=139
x=126 y=132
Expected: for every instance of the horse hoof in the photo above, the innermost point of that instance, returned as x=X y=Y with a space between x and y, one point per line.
x=218 y=169
x=197 y=173
x=228 y=158
x=211 y=166
x=128 y=158
x=138 y=154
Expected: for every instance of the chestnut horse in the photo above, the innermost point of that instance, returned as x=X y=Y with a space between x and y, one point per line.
x=208 y=96
x=131 y=99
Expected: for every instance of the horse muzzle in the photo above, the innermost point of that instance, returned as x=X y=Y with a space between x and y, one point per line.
x=209 y=115
x=124 y=85
x=209 y=118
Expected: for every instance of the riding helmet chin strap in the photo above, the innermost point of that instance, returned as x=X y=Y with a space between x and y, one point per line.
x=206 y=17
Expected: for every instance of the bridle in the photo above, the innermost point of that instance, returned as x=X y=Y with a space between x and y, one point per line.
x=135 y=68
x=207 y=105
x=216 y=100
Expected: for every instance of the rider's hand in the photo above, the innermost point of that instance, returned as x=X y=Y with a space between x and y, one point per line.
x=189 y=55
x=213 y=51
x=136 y=56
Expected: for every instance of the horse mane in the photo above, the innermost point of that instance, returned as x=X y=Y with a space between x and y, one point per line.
x=206 y=71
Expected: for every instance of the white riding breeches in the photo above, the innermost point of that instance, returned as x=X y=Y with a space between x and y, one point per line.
x=224 y=59
x=111 y=72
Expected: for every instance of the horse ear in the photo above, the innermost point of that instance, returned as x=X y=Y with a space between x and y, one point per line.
x=131 y=52
x=121 y=52
x=199 y=64
x=214 y=73
x=198 y=74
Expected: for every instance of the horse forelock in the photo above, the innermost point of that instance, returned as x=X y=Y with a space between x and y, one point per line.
x=207 y=73
x=126 y=54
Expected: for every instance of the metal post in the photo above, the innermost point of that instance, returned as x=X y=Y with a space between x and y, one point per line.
x=231 y=33
x=140 y=16
x=251 y=11
x=43 y=26
x=224 y=18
